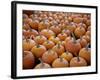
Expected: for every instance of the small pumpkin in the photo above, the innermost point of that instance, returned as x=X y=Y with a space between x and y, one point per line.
x=78 y=20
x=34 y=24
x=55 y=29
x=67 y=55
x=49 y=44
x=78 y=62
x=82 y=41
x=28 y=60
x=79 y=31
x=62 y=36
x=59 y=63
x=86 y=54
x=47 y=33
x=49 y=56
x=28 y=44
x=43 y=25
x=73 y=46
x=71 y=27
x=42 y=65
x=58 y=48
x=40 y=39
x=38 y=50
x=54 y=39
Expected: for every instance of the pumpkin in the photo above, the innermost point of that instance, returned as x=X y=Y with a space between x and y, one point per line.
x=47 y=33
x=71 y=27
x=54 y=39
x=73 y=46
x=43 y=25
x=34 y=24
x=38 y=50
x=49 y=56
x=42 y=65
x=78 y=62
x=40 y=39
x=58 y=48
x=79 y=31
x=78 y=20
x=60 y=62
x=86 y=54
x=82 y=41
x=28 y=60
x=67 y=55
x=55 y=29
x=62 y=36
x=28 y=44
x=49 y=44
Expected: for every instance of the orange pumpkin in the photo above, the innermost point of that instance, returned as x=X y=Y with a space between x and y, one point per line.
x=38 y=50
x=78 y=62
x=71 y=27
x=54 y=39
x=62 y=36
x=86 y=54
x=79 y=31
x=60 y=62
x=82 y=41
x=67 y=55
x=87 y=38
x=78 y=20
x=43 y=25
x=26 y=26
x=28 y=60
x=55 y=29
x=40 y=39
x=47 y=33
x=48 y=44
x=73 y=46
x=49 y=56
x=28 y=44
x=34 y=24
x=59 y=49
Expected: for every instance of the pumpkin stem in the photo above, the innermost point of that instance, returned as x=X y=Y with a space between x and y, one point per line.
x=47 y=41
x=66 y=52
x=74 y=37
x=61 y=59
x=58 y=45
x=38 y=46
x=78 y=59
x=41 y=62
x=87 y=46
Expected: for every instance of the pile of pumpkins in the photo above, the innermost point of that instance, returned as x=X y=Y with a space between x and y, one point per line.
x=56 y=39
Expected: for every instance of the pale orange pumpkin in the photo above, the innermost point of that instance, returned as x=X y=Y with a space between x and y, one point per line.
x=42 y=65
